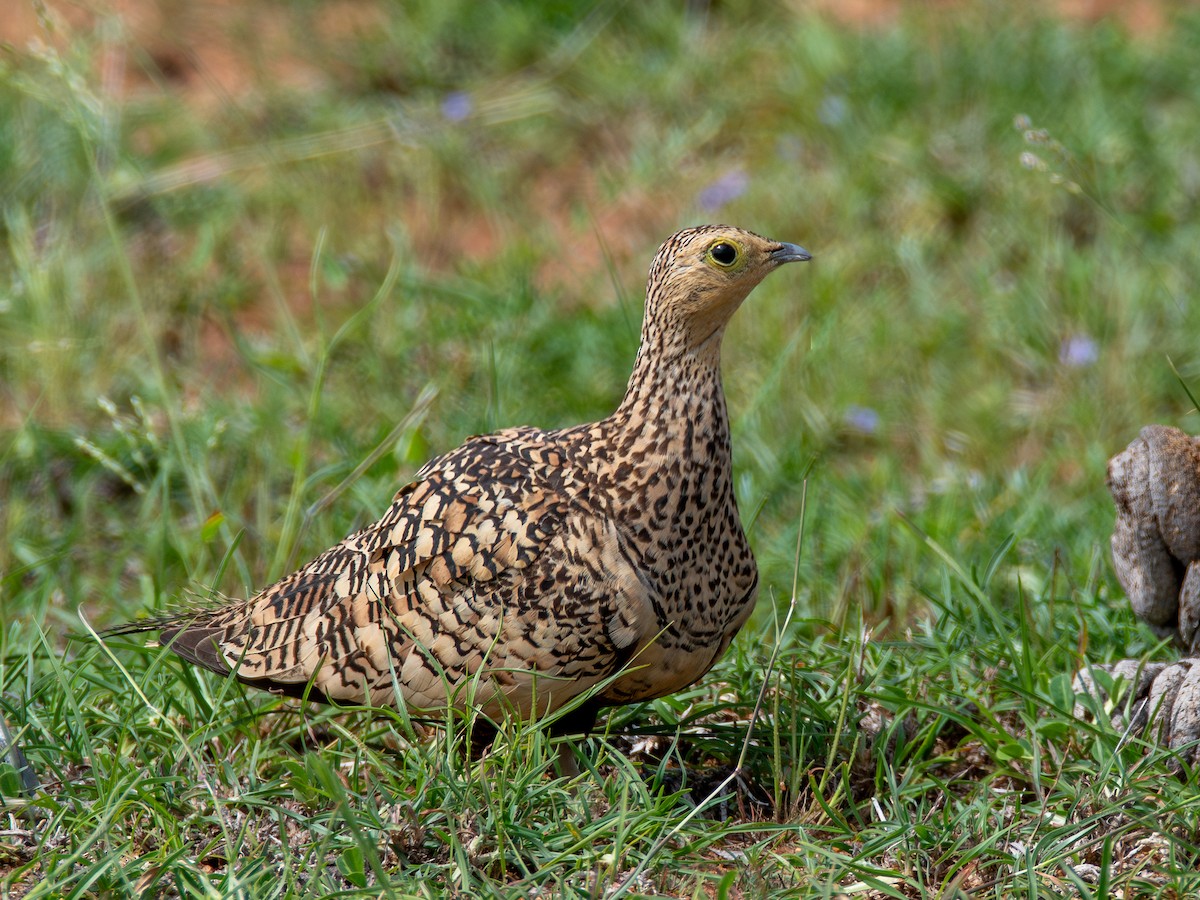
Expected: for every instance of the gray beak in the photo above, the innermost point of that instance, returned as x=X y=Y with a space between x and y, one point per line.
x=786 y=253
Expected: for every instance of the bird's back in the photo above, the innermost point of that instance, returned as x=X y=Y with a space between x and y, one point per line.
x=493 y=561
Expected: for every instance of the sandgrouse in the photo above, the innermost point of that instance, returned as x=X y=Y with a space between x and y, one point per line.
x=528 y=566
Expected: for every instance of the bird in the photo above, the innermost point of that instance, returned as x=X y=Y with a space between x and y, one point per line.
x=527 y=566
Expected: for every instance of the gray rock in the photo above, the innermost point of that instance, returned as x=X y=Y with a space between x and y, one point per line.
x=1155 y=483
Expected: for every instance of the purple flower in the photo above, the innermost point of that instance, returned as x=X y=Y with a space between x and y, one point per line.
x=456 y=106
x=728 y=187
x=862 y=419
x=1077 y=351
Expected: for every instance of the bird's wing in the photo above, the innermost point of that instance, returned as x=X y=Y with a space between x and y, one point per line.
x=492 y=563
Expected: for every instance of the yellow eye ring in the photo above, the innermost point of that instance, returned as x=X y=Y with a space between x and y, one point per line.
x=725 y=253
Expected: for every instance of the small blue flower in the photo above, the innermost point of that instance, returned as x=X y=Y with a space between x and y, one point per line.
x=1077 y=351
x=833 y=110
x=728 y=187
x=456 y=106
x=862 y=419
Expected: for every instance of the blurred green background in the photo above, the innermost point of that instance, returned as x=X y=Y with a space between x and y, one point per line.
x=198 y=196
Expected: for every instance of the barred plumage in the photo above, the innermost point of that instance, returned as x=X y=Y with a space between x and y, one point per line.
x=550 y=560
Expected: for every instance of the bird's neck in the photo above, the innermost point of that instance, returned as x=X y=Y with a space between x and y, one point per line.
x=674 y=406
x=666 y=475
x=664 y=472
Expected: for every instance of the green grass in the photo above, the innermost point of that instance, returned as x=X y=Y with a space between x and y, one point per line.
x=219 y=316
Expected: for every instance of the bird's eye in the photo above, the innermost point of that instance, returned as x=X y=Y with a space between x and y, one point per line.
x=723 y=253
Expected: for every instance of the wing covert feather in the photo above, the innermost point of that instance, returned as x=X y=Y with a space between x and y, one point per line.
x=492 y=558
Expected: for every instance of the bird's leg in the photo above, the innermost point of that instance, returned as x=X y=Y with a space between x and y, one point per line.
x=482 y=736
x=566 y=765
x=577 y=723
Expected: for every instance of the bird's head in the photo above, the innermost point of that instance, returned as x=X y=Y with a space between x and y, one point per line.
x=699 y=278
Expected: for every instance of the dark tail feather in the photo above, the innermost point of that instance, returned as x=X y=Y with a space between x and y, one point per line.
x=182 y=634
x=140 y=626
x=197 y=644
x=182 y=613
